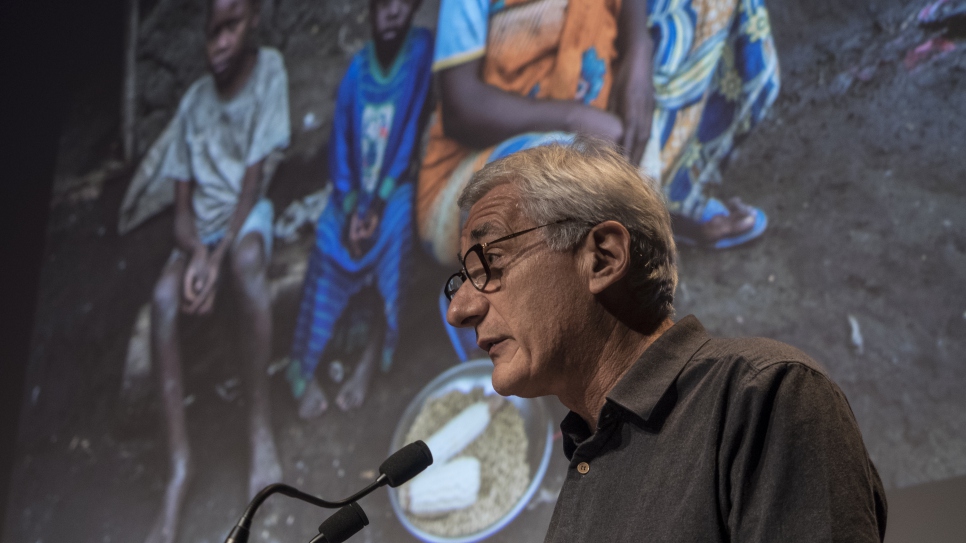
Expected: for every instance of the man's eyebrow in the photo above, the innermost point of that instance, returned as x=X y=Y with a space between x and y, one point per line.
x=480 y=231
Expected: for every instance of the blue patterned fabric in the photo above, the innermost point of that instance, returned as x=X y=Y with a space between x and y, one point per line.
x=334 y=277
x=461 y=36
x=375 y=131
x=734 y=72
x=375 y=127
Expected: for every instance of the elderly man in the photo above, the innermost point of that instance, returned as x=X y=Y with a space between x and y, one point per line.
x=568 y=279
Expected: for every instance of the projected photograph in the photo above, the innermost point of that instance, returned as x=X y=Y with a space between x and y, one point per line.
x=254 y=214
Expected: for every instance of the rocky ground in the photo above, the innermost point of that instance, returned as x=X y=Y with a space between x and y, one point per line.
x=864 y=262
x=859 y=167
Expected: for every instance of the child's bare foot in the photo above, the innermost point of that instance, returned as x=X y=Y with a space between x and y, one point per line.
x=265 y=467
x=353 y=392
x=166 y=525
x=313 y=402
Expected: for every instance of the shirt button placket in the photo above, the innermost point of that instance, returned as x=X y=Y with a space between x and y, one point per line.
x=583 y=468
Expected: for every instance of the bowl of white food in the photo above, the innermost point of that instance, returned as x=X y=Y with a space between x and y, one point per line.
x=490 y=456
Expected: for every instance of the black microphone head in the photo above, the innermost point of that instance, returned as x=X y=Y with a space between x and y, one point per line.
x=406 y=463
x=238 y=534
x=342 y=525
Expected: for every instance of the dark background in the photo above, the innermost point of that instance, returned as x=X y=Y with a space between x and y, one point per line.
x=49 y=46
x=45 y=44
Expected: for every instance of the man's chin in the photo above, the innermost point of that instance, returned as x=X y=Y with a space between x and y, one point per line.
x=507 y=384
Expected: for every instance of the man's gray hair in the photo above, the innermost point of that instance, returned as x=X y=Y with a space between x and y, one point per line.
x=591 y=182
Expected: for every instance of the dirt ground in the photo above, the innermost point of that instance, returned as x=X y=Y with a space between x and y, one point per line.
x=859 y=166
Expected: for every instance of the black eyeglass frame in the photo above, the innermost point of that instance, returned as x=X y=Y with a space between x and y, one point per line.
x=478 y=249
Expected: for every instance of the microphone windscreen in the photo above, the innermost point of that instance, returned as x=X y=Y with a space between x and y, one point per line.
x=406 y=463
x=345 y=523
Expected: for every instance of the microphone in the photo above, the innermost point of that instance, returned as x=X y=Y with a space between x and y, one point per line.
x=345 y=523
x=400 y=467
x=406 y=463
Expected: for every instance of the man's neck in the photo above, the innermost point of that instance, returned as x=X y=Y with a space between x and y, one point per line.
x=622 y=349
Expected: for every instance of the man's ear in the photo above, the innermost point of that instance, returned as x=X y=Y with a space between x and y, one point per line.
x=608 y=249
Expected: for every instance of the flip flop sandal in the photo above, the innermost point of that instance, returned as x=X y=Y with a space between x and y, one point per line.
x=712 y=209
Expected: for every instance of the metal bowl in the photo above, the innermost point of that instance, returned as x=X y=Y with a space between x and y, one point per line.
x=537 y=424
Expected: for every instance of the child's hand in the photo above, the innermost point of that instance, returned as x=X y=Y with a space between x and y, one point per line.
x=205 y=299
x=193 y=276
x=199 y=281
x=361 y=230
x=367 y=226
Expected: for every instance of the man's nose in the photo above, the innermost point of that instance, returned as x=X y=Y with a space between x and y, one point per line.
x=395 y=7
x=467 y=308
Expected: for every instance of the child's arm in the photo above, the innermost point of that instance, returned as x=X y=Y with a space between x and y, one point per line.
x=185 y=233
x=246 y=201
x=342 y=168
x=196 y=275
x=343 y=171
x=251 y=182
x=271 y=132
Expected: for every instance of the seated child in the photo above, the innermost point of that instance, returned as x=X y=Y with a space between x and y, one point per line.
x=228 y=129
x=365 y=233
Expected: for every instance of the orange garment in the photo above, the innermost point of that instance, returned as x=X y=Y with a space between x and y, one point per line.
x=529 y=43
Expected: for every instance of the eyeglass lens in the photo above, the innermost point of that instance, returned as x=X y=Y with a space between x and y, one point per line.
x=476 y=272
x=454 y=284
x=475 y=269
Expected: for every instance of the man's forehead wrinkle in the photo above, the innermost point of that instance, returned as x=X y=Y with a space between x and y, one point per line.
x=481 y=231
x=493 y=215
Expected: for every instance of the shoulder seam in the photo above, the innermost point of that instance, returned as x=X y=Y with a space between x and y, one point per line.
x=756 y=371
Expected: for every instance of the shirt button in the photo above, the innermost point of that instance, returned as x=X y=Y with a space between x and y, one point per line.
x=583 y=468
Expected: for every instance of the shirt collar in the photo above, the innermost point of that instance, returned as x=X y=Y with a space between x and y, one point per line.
x=640 y=390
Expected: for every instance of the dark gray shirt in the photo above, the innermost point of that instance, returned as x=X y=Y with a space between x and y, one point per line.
x=708 y=439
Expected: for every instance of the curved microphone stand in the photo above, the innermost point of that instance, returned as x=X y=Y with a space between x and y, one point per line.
x=402 y=466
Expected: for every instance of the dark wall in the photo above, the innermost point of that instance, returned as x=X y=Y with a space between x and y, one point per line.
x=929 y=512
x=45 y=43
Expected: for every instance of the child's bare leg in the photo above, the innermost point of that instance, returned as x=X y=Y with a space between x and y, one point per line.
x=166 y=351
x=353 y=392
x=248 y=265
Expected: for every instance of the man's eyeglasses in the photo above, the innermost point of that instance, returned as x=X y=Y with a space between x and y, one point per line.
x=476 y=269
